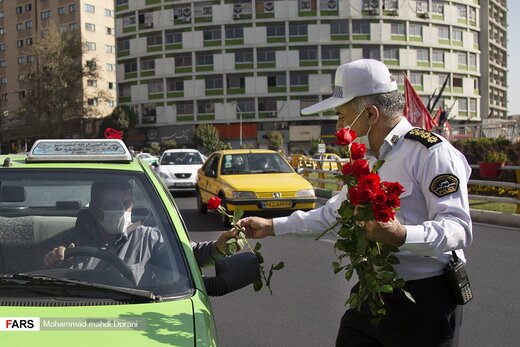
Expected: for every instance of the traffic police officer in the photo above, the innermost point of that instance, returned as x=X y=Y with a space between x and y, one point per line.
x=432 y=222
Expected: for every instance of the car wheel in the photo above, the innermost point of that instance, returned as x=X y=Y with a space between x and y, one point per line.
x=224 y=220
x=201 y=207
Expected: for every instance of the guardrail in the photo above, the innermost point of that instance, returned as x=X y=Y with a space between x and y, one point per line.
x=321 y=181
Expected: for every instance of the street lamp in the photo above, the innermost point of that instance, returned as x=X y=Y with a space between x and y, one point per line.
x=240 y=115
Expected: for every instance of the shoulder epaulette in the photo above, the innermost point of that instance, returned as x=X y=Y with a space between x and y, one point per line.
x=427 y=138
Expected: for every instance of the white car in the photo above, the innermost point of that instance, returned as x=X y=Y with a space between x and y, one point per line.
x=178 y=168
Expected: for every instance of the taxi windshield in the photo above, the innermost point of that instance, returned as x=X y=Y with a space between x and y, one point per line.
x=113 y=224
x=254 y=163
x=181 y=158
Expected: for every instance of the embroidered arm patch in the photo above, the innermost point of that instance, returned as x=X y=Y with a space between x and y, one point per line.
x=427 y=138
x=444 y=184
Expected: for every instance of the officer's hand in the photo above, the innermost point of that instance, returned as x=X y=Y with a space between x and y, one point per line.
x=56 y=257
x=392 y=233
x=256 y=227
x=221 y=244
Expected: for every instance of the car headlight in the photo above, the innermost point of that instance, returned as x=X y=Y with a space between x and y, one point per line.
x=244 y=195
x=163 y=175
x=305 y=192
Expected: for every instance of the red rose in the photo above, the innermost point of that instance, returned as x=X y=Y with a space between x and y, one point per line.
x=379 y=197
x=393 y=188
x=360 y=168
x=393 y=201
x=347 y=169
x=370 y=181
x=354 y=196
x=357 y=150
x=345 y=136
x=366 y=195
x=383 y=215
x=214 y=203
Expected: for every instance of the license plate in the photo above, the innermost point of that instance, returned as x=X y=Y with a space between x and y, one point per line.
x=183 y=184
x=277 y=204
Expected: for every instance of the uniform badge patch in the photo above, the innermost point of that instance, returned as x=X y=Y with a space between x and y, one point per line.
x=427 y=138
x=444 y=184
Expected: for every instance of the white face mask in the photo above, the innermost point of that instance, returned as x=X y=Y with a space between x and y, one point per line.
x=115 y=221
x=364 y=138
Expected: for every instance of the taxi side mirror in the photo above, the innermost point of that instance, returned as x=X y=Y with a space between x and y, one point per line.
x=233 y=273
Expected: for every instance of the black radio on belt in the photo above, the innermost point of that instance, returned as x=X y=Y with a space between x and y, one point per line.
x=458 y=280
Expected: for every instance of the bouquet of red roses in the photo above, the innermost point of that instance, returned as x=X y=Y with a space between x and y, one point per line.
x=368 y=199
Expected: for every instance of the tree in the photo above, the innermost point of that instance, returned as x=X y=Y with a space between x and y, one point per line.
x=168 y=144
x=274 y=140
x=122 y=118
x=55 y=83
x=206 y=137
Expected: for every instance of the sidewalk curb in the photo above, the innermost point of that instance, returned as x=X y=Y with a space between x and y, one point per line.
x=497 y=218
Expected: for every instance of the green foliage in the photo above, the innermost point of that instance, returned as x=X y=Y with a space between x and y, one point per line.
x=168 y=144
x=207 y=139
x=495 y=157
x=475 y=149
x=313 y=146
x=154 y=149
x=122 y=118
x=274 y=140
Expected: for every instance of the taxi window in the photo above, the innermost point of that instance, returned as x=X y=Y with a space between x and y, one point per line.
x=253 y=163
x=44 y=209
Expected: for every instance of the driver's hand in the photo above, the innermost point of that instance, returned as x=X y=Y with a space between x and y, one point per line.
x=56 y=257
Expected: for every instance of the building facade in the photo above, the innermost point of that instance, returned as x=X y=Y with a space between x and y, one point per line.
x=22 y=21
x=259 y=62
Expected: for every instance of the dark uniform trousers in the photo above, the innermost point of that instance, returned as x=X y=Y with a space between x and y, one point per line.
x=434 y=320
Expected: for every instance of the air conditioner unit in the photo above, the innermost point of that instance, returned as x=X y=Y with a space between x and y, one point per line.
x=374 y=11
x=394 y=12
x=236 y=15
x=186 y=20
x=272 y=114
x=148 y=24
x=425 y=15
x=268 y=7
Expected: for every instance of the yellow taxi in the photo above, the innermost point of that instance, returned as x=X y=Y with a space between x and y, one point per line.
x=328 y=161
x=257 y=181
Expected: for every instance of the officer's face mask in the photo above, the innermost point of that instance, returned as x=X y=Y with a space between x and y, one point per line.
x=364 y=138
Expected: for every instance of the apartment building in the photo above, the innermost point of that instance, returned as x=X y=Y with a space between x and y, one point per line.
x=254 y=64
x=21 y=21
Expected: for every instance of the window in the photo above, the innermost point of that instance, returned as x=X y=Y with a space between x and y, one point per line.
x=422 y=54
x=457 y=81
x=438 y=56
x=92 y=102
x=121 y=2
x=234 y=32
x=276 y=30
x=73 y=26
x=457 y=35
x=91 y=46
x=19 y=26
x=244 y=56
x=174 y=84
x=2 y=15
x=91 y=64
x=265 y=55
x=299 y=78
x=212 y=34
x=28 y=41
x=29 y=59
x=155 y=86
x=339 y=27
x=371 y=52
x=438 y=6
x=19 y=9
x=21 y=77
x=72 y=8
x=473 y=60
x=204 y=58
x=28 y=24
x=360 y=27
x=130 y=66
x=330 y=52
x=111 y=67
x=45 y=14
x=185 y=107
x=391 y=53
x=109 y=13
x=444 y=32
x=61 y=11
x=415 y=29
x=19 y=43
x=28 y=7
x=21 y=60
x=462 y=11
x=111 y=103
x=110 y=48
x=416 y=78
x=236 y=81
x=267 y=105
x=2 y=46
x=110 y=85
x=3 y=63
x=398 y=29
x=2 y=31
x=462 y=59
x=472 y=105
x=90 y=27
x=90 y=8
x=277 y=80
x=308 y=53
x=297 y=29
x=214 y=82
x=463 y=105
x=3 y=80
x=246 y=105
x=92 y=83
x=123 y=44
x=147 y=64
x=183 y=60
x=109 y=31
x=205 y=107
x=173 y=37
x=154 y=39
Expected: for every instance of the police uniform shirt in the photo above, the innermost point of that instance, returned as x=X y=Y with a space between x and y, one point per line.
x=434 y=206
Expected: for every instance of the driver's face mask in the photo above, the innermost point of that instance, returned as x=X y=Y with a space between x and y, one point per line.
x=116 y=218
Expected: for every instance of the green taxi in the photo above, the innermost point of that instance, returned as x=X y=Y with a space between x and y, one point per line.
x=44 y=195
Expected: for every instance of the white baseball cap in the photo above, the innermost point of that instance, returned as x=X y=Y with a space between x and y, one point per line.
x=358 y=78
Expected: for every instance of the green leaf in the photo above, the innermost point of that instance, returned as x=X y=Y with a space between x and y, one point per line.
x=231 y=241
x=378 y=165
x=257 y=247
x=241 y=243
x=232 y=248
x=241 y=235
x=386 y=288
x=257 y=285
x=259 y=257
x=346 y=212
x=409 y=296
x=279 y=266
x=237 y=214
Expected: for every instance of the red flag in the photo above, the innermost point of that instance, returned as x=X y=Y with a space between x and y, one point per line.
x=437 y=117
x=111 y=133
x=414 y=109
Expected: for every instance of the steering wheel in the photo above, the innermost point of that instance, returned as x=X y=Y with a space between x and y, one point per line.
x=88 y=251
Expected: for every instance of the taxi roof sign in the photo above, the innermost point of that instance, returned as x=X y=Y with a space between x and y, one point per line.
x=75 y=150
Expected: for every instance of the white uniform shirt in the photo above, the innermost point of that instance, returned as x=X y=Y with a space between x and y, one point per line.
x=436 y=217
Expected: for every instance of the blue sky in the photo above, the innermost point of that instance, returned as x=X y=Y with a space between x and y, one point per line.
x=513 y=43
